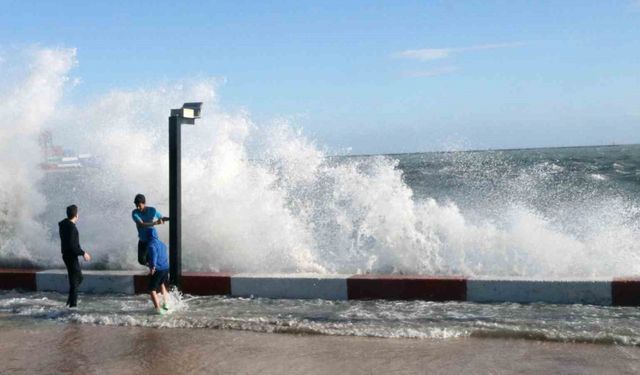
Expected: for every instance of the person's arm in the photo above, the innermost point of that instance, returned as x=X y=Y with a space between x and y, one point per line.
x=141 y=224
x=153 y=258
x=147 y=225
x=75 y=243
x=159 y=218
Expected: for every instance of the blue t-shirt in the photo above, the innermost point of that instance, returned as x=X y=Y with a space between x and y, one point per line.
x=157 y=254
x=148 y=215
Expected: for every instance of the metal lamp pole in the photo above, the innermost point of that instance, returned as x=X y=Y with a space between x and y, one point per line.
x=185 y=115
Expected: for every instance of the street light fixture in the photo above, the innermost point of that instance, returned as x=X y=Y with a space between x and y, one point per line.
x=187 y=116
x=188 y=113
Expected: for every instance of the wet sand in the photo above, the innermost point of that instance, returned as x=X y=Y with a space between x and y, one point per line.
x=88 y=349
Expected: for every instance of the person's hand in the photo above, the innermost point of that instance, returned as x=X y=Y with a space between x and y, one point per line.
x=152 y=271
x=87 y=257
x=159 y=222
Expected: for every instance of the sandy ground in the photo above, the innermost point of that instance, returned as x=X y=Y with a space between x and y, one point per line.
x=87 y=349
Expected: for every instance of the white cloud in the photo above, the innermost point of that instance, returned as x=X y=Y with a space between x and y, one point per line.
x=427 y=54
x=430 y=72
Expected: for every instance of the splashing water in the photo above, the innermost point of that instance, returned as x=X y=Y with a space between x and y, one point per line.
x=25 y=108
x=396 y=319
x=266 y=199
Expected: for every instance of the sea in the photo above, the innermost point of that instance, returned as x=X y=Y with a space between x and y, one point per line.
x=549 y=212
x=545 y=213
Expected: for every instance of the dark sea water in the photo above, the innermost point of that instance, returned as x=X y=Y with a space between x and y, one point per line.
x=541 y=178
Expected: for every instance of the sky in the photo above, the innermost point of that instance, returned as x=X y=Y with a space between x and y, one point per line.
x=368 y=76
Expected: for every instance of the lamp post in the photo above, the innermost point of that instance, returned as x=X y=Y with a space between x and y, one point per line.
x=185 y=115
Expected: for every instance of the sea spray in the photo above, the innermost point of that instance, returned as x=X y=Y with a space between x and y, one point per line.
x=26 y=103
x=262 y=198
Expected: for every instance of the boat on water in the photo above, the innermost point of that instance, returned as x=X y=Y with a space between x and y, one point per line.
x=56 y=158
x=65 y=163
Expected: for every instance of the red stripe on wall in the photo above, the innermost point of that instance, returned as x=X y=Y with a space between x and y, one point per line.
x=18 y=279
x=206 y=283
x=407 y=287
x=625 y=292
x=141 y=283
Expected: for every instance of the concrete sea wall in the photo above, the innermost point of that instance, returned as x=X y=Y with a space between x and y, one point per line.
x=616 y=291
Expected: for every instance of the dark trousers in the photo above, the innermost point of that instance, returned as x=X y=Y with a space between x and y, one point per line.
x=142 y=253
x=75 y=278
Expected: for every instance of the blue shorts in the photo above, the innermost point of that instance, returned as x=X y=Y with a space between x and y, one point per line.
x=158 y=278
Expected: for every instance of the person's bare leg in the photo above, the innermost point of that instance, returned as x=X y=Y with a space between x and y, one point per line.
x=165 y=294
x=154 y=299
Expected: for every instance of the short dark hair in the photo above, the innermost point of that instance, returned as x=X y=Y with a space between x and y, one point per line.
x=72 y=211
x=139 y=199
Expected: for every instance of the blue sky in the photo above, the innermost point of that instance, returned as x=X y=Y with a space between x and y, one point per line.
x=376 y=77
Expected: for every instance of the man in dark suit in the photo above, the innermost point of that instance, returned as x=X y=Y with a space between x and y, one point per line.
x=71 y=250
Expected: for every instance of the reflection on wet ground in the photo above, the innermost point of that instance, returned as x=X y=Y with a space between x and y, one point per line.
x=28 y=347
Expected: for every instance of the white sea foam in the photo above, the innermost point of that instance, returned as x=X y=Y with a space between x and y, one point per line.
x=598 y=177
x=267 y=199
x=401 y=319
x=26 y=103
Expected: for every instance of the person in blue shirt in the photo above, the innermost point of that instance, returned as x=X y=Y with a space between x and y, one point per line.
x=145 y=217
x=158 y=270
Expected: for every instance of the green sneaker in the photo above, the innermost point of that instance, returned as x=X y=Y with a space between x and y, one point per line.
x=161 y=311
x=165 y=306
